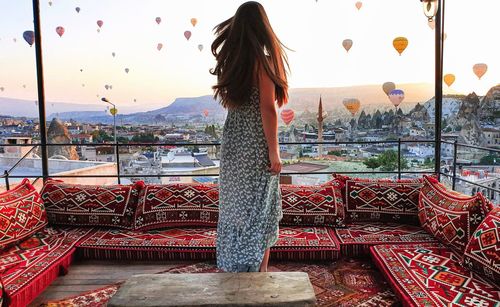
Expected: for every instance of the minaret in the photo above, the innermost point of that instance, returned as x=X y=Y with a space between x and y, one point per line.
x=320 y=118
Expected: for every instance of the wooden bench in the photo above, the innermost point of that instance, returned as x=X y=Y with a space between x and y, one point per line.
x=216 y=289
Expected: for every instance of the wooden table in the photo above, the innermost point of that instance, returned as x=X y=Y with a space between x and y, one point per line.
x=216 y=289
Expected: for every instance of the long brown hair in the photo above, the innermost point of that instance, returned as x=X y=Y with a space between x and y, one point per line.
x=244 y=44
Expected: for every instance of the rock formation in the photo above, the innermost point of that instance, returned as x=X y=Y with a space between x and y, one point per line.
x=468 y=119
x=490 y=106
x=58 y=134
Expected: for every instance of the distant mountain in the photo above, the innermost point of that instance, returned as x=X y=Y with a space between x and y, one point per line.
x=369 y=95
x=179 y=110
x=301 y=100
x=29 y=108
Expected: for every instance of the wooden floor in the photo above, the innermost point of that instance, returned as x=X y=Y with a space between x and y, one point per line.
x=90 y=275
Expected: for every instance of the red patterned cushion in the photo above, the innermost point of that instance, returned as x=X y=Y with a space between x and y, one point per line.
x=183 y=204
x=483 y=250
x=431 y=275
x=449 y=216
x=196 y=243
x=18 y=192
x=312 y=205
x=91 y=205
x=22 y=213
x=29 y=267
x=380 y=200
x=356 y=239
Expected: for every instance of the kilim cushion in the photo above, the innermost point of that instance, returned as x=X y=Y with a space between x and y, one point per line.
x=183 y=204
x=91 y=205
x=199 y=243
x=449 y=216
x=22 y=213
x=380 y=200
x=356 y=239
x=29 y=267
x=483 y=250
x=17 y=192
x=431 y=274
x=316 y=205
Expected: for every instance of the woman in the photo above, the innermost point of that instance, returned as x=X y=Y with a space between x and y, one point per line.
x=251 y=85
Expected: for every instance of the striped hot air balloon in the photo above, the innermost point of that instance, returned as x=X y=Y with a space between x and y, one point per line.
x=287 y=116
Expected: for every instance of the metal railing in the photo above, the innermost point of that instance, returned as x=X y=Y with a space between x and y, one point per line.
x=397 y=144
x=119 y=175
x=454 y=178
x=7 y=173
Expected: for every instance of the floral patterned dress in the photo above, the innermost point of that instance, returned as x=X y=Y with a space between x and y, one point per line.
x=249 y=197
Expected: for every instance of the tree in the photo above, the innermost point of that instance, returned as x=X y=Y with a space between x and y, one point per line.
x=334 y=153
x=490 y=160
x=389 y=161
x=372 y=163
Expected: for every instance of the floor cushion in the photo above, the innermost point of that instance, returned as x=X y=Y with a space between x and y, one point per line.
x=316 y=205
x=199 y=243
x=482 y=253
x=431 y=274
x=450 y=216
x=356 y=239
x=29 y=267
x=380 y=200
x=183 y=204
x=91 y=205
x=22 y=213
x=18 y=191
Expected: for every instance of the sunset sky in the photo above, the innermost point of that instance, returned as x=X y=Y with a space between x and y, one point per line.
x=314 y=30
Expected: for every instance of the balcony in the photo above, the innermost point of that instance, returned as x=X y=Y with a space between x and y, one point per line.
x=370 y=238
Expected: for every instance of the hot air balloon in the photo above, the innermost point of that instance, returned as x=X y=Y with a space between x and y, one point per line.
x=60 y=31
x=83 y=85
x=480 y=69
x=187 y=34
x=2 y=88
x=347 y=43
x=100 y=23
x=194 y=21
x=449 y=79
x=29 y=37
x=106 y=87
x=400 y=44
x=135 y=100
x=359 y=4
x=200 y=47
x=113 y=54
x=50 y=3
x=127 y=70
x=77 y=9
x=205 y=113
x=81 y=69
x=110 y=87
x=352 y=105
x=287 y=116
x=14 y=39
x=158 y=20
x=113 y=111
x=24 y=85
x=159 y=46
x=396 y=97
x=387 y=87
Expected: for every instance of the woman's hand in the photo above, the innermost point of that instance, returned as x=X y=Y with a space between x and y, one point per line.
x=276 y=164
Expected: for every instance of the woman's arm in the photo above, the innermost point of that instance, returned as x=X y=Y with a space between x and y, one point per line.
x=268 y=109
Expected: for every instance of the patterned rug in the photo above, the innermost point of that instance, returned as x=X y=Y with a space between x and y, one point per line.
x=347 y=282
